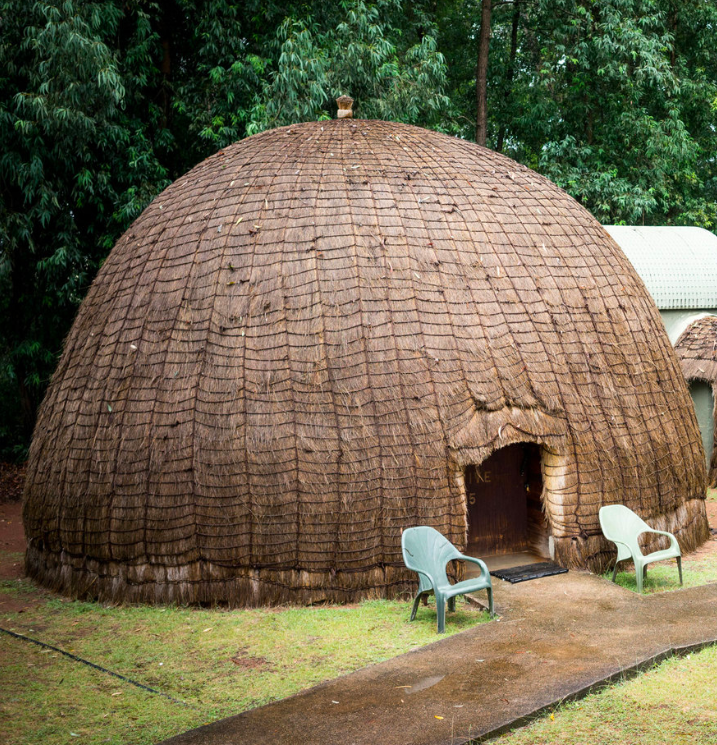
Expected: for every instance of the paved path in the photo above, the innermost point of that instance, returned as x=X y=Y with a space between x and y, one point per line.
x=556 y=637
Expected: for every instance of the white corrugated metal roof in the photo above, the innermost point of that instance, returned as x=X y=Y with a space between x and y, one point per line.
x=678 y=265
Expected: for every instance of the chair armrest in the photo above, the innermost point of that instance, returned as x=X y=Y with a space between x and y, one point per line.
x=673 y=540
x=627 y=546
x=479 y=562
x=427 y=576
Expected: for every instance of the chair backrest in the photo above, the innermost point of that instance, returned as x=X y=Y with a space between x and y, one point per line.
x=620 y=523
x=425 y=549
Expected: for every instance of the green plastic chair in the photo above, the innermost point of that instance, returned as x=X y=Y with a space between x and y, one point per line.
x=623 y=527
x=427 y=552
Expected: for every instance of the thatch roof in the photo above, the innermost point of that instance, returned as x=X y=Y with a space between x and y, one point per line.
x=295 y=349
x=697 y=350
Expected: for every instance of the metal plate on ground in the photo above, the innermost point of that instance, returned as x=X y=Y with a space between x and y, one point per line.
x=529 y=571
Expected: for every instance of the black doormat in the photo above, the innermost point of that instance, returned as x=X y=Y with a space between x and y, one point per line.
x=529 y=571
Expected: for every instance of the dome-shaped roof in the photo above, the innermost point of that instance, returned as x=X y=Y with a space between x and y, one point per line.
x=697 y=349
x=678 y=264
x=297 y=347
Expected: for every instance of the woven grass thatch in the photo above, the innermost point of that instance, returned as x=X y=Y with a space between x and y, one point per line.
x=295 y=350
x=697 y=350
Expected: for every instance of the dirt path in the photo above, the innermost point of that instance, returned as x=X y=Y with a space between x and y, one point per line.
x=12 y=535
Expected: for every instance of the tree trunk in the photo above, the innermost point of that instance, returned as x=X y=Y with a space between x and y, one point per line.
x=510 y=71
x=482 y=73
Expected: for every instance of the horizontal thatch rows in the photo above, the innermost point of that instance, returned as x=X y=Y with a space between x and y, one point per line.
x=296 y=348
x=697 y=351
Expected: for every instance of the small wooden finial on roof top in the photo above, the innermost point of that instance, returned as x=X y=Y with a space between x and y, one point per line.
x=345 y=103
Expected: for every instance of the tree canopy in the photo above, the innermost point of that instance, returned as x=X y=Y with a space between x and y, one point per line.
x=103 y=104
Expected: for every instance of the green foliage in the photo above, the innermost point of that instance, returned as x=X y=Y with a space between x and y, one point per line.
x=617 y=140
x=599 y=106
x=60 y=101
x=354 y=56
x=101 y=105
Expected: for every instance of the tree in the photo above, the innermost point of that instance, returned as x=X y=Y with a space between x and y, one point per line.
x=100 y=107
x=60 y=101
x=353 y=54
x=482 y=73
x=613 y=100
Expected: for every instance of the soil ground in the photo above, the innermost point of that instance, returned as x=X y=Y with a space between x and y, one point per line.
x=12 y=535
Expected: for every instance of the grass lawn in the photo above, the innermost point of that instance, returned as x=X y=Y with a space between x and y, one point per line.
x=219 y=662
x=675 y=703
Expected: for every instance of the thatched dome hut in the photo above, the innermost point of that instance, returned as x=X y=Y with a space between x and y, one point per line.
x=331 y=331
x=697 y=350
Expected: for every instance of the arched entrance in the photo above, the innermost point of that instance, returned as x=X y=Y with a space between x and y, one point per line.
x=505 y=513
x=703 y=400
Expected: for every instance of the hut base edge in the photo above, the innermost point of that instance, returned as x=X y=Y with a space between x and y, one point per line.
x=204 y=583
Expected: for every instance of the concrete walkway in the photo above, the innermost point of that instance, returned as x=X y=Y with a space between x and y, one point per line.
x=556 y=637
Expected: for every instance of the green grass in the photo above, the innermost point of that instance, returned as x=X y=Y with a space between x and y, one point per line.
x=674 y=703
x=219 y=662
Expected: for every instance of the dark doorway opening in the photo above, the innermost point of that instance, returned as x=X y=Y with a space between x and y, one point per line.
x=505 y=514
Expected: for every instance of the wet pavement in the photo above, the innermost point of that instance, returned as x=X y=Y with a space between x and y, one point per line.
x=556 y=638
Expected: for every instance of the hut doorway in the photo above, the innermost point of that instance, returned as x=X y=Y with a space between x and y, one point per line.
x=505 y=513
x=703 y=400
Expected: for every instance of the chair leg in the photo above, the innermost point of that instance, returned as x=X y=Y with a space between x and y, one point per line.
x=614 y=571
x=491 y=609
x=441 y=614
x=639 y=574
x=415 y=606
x=452 y=604
x=679 y=568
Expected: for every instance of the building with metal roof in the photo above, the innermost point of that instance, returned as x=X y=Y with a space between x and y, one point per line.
x=679 y=268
